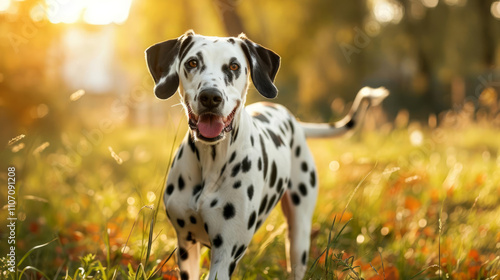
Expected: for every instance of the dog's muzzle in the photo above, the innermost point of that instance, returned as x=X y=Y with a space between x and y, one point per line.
x=209 y=125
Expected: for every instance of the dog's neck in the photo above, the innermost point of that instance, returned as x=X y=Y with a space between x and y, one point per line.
x=213 y=157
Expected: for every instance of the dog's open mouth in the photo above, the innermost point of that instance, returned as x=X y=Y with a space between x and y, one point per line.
x=210 y=127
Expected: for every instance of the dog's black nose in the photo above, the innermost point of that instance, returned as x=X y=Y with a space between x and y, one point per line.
x=210 y=98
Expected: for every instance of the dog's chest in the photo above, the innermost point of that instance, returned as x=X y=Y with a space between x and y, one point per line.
x=209 y=185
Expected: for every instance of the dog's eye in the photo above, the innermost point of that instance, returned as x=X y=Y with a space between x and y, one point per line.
x=234 y=67
x=193 y=63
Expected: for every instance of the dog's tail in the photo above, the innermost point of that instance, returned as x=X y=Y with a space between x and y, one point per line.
x=365 y=98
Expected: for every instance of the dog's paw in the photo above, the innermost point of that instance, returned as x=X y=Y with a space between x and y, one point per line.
x=375 y=95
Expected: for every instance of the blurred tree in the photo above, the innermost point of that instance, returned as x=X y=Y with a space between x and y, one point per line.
x=486 y=26
x=229 y=16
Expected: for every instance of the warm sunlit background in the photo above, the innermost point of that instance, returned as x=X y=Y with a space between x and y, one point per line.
x=433 y=55
x=94 y=142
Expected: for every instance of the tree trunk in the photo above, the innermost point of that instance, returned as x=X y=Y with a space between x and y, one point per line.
x=230 y=18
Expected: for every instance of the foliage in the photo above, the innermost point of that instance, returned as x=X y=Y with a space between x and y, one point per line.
x=392 y=206
x=413 y=198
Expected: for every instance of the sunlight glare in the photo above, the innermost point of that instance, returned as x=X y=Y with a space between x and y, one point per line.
x=4 y=5
x=100 y=12
x=416 y=138
x=151 y=196
x=386 y=11
x=430 y=3
x=495 y=9
x=459 y=3
x=96 y=12
x=360 y=239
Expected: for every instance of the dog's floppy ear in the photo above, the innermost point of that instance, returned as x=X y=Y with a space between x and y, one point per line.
x=264 y=65
x=162 y=60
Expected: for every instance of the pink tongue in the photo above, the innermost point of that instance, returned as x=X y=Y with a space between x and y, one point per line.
x=210 y=126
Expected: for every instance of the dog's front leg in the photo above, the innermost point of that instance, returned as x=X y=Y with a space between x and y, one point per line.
x=229 y=235
x=188 y=259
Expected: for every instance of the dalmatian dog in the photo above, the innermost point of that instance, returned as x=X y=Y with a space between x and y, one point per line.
x=237 y=162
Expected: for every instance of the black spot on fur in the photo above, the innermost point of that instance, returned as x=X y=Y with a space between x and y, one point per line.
x=231 y=40
x=251 y=140
x=237 y=185
x=228 y=75
x=191 y=144
x=303 y=166
x=214 y=202
x=217 y=242
x=222 y=170
x=350 y=124
x=235 y=135
x=291 y=126
x=181 y=222
x=183 y=254
x=282 y=130
x=181 y=183
x=251 y=220
x=280 y=185
x=246 y=164
x=290 y=184
x=200 y=57
x=232 y=266
x=214 y=152
x=228 y=212
x=271 y=203
x=250 y=192
x=184 y=275
x=276 y=138
x=263 y=204
x=185 y=47
x=240 y=252
x=197 y=189
x=190 y=237
x=233 y=156
x=236 y=170
x=259 y=223
x=170 y=189
x=206 y=227
x=261 y=118
x=274 y=174
x=233 y=251
x=297 y=151
x=304 y=258
x=313 y=179
x=264 y=155
x=179 y=155
x=302 y=189
x=192 y=219
x=295 y=199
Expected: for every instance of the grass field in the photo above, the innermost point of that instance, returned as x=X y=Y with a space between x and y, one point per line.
x=409 y=202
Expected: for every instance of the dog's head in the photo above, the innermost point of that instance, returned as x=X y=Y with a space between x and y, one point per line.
x=212 y=75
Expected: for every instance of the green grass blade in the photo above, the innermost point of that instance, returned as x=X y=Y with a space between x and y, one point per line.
x=33 y=249
x=34 y=269
x=328 y=245
x=423 y=270
x=150 y=240
x=160 y=267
